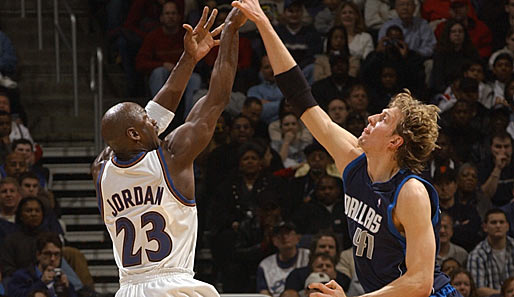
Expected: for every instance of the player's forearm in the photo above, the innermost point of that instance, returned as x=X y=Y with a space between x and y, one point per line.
x=280 y=58
x=170 y=94
x=406 y=285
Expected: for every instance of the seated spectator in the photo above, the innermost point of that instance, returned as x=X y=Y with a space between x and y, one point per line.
x=5 y=130
x=18 y=130
x=19 y=247
x=502 y=70
x=9 y=198
x=290 y=147
x=267 y=91
x=26 y=148
x=324 y=19
x=475 y=69
x=466 y=220
x=336 y=44
x=325 y=211
x=360 y=42
x=273 y=270
x=453 y=50
x=338 y=110
x=443 y=157
x=314 y=277
x=385 y=85
x=275 y=131
x=355 y=123
x=462 y=280
x=496 y=173
x=449 y=265
x=358 y=101
x=438 y=10
x=325 y=243
x=468 y=192
x=252 y=109
x=508 y=49
x=8 y=62
x=323 y=263
x=15 y=165
x=161 y=50
x=492 y=260
x=39 y=293
x=377 y=12
x=418 y=35
x=303 y=42
x=337 y=84
x=479 y=33
x=393 y=50
x=446 y=248
x=43 y=274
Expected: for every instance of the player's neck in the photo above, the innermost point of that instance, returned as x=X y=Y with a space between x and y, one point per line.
x=128 y=155
x=381 y=169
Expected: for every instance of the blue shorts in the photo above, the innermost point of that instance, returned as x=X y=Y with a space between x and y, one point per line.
x=447 y=291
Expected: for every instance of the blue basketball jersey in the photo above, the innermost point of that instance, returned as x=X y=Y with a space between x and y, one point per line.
x=378 y=247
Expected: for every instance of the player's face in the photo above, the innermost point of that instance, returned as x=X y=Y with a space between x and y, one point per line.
x=380 y=132
x=9 y=196
x=29 y=187
x=326 y=244
x=32 y=214
x=496 y=225
x=50 y=255
x=462 y=283
x=149 y=131
x=446 y=231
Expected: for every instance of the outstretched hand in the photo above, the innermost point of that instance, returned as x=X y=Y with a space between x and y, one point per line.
x=251 y=9
x=331 y=289
x=237 y=17
x=199 y=41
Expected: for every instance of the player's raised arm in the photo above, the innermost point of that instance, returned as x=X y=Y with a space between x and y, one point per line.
x=341 y=144
x=187 y=141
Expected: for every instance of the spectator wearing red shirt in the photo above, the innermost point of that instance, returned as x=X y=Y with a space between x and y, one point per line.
x=433 y=10
x=161 y=50
x=478 y=31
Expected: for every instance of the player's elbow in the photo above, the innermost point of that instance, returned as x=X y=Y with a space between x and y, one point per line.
x=423 y=286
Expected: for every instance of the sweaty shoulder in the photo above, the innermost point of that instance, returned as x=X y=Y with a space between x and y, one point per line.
x=413 y=201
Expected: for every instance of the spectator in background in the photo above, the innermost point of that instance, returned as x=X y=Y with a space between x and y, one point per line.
x=439 y=10
x=377 y=12
x=275 y=131
x=355 y=123
x=418 y=35
x=468 y=192
x=48 y=252
x=466 y=220
x=18 y=130
x=449 y=265
x=462 y=280
x=15 y=164
x=273 y=270
x=393 y=50
x=161 y=50
x=267 y=91
x=508 y=287
x=454 y=49
x=336 y=44
x=337 y=109
x=9 y=198
x=290 y=146
x=384 y=86
x=337 y=84
x=252 y=109
x=5 y=130
x=303 y=42
x=8 y=62
x=502 y=70
x=475 y=69
x=509 y=47
x=443 y=157
x=324 y=20
x=496 y=173
x=358 y=100
x=492 y=260
x=479 y=33
x=26 y=148
x=446 y=248
x=142 y=18
x=360 y=42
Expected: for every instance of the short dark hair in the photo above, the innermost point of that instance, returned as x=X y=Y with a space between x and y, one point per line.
x=503 y=56
x=251 y=100
x=325 y=233
x=250 y=146
x=313 y=257
x=468 y=84
x=21 y=141
x=47 y=237
x=493 y=211
x=27 y=174
x=501 y=134
x=442 y=177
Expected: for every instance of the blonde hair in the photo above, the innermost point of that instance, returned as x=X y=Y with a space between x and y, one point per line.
x=359 y=22
x=418 y=128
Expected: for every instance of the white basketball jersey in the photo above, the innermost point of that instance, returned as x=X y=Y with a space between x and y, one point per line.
x=151 y=225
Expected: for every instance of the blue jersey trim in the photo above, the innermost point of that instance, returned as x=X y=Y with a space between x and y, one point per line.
x=99 y=196
x=432 y=194
x=169 y=181
x=129 y=163
x=349 y=167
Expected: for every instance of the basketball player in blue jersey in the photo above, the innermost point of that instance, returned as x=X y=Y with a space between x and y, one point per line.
x=392 y=213
x=145 y=186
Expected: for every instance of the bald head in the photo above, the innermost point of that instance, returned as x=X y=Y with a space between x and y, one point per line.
x=127 y=128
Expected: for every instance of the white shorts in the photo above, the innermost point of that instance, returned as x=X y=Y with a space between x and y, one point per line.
x=174 y=284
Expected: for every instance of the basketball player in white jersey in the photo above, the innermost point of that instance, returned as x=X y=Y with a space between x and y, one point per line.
x=145 y=186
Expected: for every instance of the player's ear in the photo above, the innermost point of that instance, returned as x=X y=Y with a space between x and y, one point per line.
x=396 y=141
x=133 y=134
